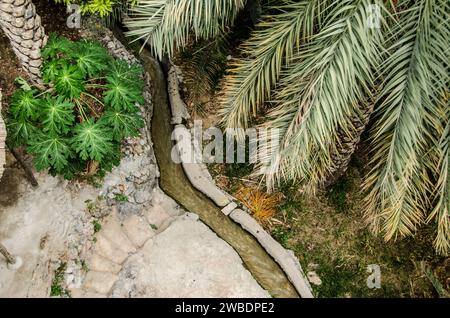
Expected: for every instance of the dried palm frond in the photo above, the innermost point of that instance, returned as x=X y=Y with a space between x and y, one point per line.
x=261 y=204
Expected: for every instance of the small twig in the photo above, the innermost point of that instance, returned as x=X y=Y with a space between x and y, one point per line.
x=277 y=221
x=248 y=180
x=95 y=86
x=89 y=106
x=44 y=92
x=81 y=110
x=29 y=174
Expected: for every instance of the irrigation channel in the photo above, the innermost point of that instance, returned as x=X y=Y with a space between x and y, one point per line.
x=175 y=183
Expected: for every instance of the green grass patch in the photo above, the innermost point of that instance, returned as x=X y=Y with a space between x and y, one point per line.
x=97 y=226
x=57 y=289
x=282 y=235
x=121 y=197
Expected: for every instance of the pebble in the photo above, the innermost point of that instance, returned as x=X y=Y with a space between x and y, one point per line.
x=314 y=278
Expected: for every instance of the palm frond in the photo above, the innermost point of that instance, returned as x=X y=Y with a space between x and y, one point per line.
x=268 y=50
x=166 y=24
x=397 y=184
x=202 y=79
x=119 y=9
x=440 y=164
x=320 y=92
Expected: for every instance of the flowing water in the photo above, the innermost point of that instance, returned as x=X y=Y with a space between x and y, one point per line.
x=175 y=183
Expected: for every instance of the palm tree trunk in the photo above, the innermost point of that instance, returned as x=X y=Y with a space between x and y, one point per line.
x=341 y=158
x=21 y=24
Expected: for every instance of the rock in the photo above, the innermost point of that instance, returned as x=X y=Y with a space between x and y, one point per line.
x=99 y=282
x=127 y=208
x=104 y=248
x=166 y=203
x=156 y=215
x=93 y=295
x=76 y=293
x=191 y=216
x=101 y=264
x=314 y=278
x=186 y=260
x=143 y=195
x=138 y=230
x=112 y=231
x=80 y=293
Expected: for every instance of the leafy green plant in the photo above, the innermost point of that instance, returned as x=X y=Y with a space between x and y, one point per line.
x=109 y=10
x=282 y=235
x=121 y=197
x=88 y=108
x=97 y=226
x=57 y=289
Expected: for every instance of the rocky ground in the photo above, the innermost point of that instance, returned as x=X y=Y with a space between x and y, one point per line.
x=159 y=251
x=165 y=252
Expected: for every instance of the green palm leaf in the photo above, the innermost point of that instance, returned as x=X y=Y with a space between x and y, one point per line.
x=166 y=24
x=269 y=49
x=320 y=92
x=397 y=185
x=441 y=210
